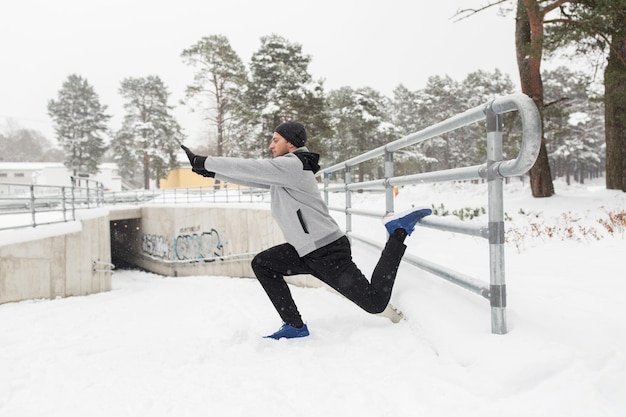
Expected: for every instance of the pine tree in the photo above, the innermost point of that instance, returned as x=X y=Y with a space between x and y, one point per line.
x=150 y=136
x=592 y=25
x=529 y=47
x=361 y=119
x=478 y=88
x=280 y=88
x=574 y=121
x=443 y=98
x=529 y=40
x=405 y=108
x=218 y=86
x=80 y=125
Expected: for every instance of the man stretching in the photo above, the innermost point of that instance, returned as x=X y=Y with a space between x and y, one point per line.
x=315 y=243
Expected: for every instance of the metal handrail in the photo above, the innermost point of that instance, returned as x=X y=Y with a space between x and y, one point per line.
x=531 y=130
x=493 y=170
x=28 y=207
x=226 y=193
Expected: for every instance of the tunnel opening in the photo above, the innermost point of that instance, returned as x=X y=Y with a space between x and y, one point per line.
x=125 y=243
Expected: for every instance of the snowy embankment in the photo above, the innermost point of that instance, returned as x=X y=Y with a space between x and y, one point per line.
x=159 y=346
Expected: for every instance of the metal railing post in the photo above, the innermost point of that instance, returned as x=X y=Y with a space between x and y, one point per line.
x=497 y=287
x=32 y=204
x=63 y=203
x=73 y=200
x=389 y=195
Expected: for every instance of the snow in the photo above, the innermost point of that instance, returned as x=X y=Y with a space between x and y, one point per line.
x=157 y=346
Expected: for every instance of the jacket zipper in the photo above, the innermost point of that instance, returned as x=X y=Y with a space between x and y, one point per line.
x=301 y=219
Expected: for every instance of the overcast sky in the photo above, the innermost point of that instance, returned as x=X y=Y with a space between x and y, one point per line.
x=374 y=43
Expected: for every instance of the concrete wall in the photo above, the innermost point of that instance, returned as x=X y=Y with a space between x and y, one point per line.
x=60 y=260
x=56 y=261
x=201 y=240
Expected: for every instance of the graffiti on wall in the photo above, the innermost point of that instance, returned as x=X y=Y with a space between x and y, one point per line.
x=157 y=246
x=205 y=246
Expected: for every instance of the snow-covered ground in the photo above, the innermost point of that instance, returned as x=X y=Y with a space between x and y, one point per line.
x=158 y=346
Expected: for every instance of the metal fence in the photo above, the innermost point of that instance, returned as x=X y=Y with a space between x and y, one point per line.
x=32 y=205
x=494 y=170
x=225 y=193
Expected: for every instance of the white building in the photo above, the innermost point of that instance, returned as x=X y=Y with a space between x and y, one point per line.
x=54 y=173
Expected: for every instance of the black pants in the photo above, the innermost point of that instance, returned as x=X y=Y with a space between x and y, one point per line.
x=333 y=265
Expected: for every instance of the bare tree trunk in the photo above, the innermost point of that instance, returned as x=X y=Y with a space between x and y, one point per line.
x=146 y=162
x=529 y=47
x=146 y=171
x=219 y=98
x=615 y=110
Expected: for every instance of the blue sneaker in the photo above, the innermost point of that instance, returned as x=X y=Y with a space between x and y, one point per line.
x=289 y=332
x=405 y=220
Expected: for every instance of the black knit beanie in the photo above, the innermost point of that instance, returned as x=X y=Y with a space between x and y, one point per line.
x=293 y=132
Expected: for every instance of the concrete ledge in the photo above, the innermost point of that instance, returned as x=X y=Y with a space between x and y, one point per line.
x=119 y=213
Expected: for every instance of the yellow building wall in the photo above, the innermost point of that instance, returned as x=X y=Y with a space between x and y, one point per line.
x=185 y=177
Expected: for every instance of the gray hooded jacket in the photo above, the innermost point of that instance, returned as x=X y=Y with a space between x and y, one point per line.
x=297 y=205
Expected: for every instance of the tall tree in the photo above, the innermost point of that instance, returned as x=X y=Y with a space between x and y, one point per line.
x=574 y=120
x=405 y=109
x=218 y=83
x=478 y=88
x=529 y=40
x=440 y=99
x=361 y=118
x=405 y=105
x=79 y=122
x=601 y=25
x=615 y=103
x=281 y=88
x=150 y=135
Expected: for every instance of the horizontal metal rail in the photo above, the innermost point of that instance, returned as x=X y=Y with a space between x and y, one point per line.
x=32 y=205
x=531 y=132
x=469 y=283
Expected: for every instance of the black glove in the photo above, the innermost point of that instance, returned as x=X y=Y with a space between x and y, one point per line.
x=197 y=161
x=204 y=172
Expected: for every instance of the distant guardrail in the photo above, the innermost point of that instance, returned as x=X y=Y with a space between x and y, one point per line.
x=32 y=205
x=226 y=193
